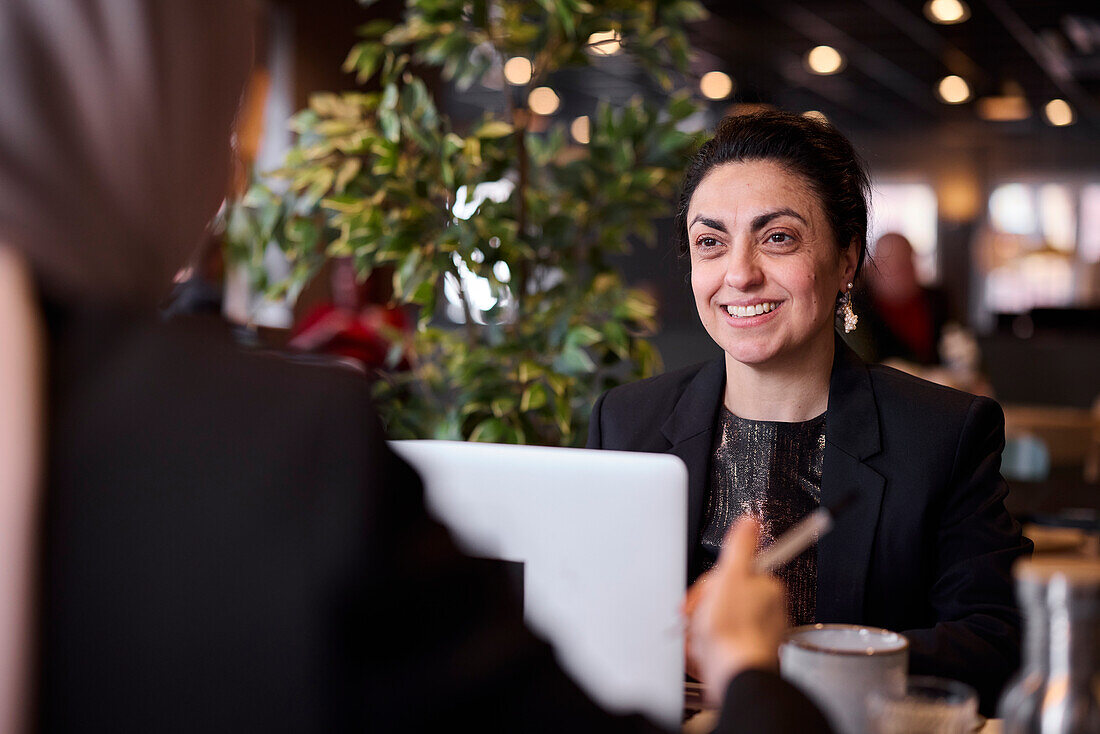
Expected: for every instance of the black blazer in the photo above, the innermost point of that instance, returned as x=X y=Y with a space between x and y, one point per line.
x=229 y=546
x=927 y=547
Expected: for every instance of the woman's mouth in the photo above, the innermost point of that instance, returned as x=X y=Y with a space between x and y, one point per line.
x=742 y=312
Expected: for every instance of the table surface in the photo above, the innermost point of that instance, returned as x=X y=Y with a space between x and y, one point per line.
x=705 y=721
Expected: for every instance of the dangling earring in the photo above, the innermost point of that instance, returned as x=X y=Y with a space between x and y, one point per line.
x=844 y=308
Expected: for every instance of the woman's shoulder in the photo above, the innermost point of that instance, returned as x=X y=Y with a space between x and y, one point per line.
x=632 y=416
x=899 y=393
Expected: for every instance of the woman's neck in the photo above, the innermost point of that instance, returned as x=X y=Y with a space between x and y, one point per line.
x=791 y=391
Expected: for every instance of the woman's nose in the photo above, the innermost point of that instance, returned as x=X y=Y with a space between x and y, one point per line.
x=742 y=269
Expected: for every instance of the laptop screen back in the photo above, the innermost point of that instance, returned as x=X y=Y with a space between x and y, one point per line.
x=601 y=536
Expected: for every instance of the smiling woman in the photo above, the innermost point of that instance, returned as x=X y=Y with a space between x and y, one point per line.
x=773 y=215
x=766 y=273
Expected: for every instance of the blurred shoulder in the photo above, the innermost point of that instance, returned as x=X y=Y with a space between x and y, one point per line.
x=213 y=363
x=117 y=374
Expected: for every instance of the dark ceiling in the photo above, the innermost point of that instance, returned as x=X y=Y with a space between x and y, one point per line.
x=895 y=57
x=884 y=98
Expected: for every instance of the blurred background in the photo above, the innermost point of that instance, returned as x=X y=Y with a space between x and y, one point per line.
x=979 y=122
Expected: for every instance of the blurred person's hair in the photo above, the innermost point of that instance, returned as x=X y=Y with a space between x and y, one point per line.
x=811 y=149
x=114 y=137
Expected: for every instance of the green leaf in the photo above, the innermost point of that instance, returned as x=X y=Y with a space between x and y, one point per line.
x=534 y=397
x=563 y=414
x=320 y=182
x=389 y=97
x=502 y=406
x=617 y=339
x=364 y=60
x=408 y=277
x=489 y=430
x=390 y=124
x=582 y=336
x=345 y=204
x=574 y=361
x=349 y=170
x=375 y=28
x=493 y=129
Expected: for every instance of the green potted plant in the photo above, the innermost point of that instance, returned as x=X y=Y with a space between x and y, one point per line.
x=385 y=178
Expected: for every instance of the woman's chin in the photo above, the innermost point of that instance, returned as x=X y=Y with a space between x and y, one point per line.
x=775 y=351
x=751 y=354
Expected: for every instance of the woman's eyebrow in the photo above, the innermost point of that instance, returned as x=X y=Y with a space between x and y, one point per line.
x=708 y=222
x=762 y=220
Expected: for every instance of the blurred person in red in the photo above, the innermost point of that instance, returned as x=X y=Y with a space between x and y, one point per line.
x=200 y=539
x=355 y=324
x=902 y=319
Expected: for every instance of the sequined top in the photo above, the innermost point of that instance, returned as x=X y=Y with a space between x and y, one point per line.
x=772 y=471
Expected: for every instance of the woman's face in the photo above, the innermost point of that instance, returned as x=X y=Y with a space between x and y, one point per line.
x=765 y=269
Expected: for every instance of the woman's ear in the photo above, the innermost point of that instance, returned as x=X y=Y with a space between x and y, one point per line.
x=849 y=259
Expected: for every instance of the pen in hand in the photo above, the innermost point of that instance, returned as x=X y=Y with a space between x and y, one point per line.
x=800 y=536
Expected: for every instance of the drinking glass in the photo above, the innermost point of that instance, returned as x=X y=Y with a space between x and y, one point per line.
x=929 y=705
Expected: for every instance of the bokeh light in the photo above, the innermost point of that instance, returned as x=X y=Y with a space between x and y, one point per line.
x=605 y=43
x=1058 y=113
x=716 y=85
x=517 y=70
x=581 y=129
x=543 y=101
x=953 y=89
x=946 y=12
x=824 y=60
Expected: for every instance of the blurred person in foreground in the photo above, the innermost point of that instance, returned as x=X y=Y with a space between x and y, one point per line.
x=773 y=215
x=197 y=539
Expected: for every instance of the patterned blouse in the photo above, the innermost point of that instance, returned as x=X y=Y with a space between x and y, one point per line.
x=772 y=471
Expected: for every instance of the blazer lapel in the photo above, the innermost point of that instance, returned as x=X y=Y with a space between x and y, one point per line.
x=851 y=436
x=690 y=430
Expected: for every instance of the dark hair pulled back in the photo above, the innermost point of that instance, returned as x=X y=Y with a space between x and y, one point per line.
x=810 y=148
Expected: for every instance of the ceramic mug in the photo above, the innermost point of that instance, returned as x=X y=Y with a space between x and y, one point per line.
x=838 y=665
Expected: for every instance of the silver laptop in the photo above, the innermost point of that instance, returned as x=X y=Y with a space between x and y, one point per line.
x=600 y=535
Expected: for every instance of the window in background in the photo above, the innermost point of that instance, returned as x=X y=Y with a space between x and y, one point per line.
x=1088 y=246
x=1057 y=217
x=1037 y=246
x=1012 y=209
x=908 y=209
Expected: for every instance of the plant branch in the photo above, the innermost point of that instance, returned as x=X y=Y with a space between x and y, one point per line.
x=520 y=119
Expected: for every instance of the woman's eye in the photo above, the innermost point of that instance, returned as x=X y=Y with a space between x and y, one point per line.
x=779 y=238
x=705 y=243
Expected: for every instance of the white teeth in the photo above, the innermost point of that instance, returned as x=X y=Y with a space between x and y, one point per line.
x=740 y=312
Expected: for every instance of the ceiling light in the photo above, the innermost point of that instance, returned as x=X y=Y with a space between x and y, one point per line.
x=543 y=101
x=716 y=85
x=581 y=129
x=1059 y=113
x=1005 y=108
x=946 y=12
x=605 y=43
x=517 y=70
x=815 y=115
x=824 y=60
x=953 y=89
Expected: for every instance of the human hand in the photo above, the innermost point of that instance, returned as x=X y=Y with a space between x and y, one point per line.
x=691 y=602
x=739 y=616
